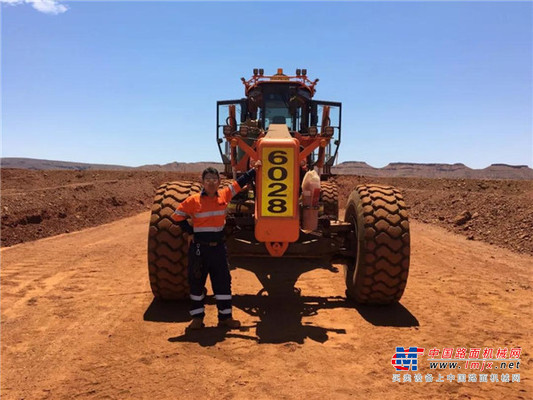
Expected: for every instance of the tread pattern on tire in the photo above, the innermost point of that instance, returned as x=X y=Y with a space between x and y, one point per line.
x=167 y=244
x=379 y=275
x=329 y=195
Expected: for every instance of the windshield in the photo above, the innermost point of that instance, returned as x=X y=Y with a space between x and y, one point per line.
x=276 y=108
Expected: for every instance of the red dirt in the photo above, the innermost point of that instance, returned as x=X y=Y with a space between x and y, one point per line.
x=79 y=322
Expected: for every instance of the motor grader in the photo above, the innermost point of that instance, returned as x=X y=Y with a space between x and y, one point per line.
x=279 y=123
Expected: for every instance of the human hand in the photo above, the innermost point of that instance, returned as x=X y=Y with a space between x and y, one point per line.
x=190 y=239
x=257 y=164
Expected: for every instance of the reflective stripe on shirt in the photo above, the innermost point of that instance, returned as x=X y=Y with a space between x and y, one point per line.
x=233 y=191
x=209 y=228
x=209 y=214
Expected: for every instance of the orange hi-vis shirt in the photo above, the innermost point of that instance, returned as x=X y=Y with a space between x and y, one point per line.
x=208 y=214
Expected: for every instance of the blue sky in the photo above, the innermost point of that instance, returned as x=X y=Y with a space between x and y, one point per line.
x=136 y=83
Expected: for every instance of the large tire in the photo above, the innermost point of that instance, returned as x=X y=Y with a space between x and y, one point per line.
x=167 y=244
x=329 y=196
x=381 y=244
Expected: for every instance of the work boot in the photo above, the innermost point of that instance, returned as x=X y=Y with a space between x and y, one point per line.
x=196 y=323
x=229 y=323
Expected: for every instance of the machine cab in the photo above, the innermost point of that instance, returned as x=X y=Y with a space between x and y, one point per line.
x=278 y=99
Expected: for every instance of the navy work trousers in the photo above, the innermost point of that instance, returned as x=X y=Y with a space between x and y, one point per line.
x=212 y=261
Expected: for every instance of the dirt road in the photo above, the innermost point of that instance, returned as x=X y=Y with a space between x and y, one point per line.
x=78 y=321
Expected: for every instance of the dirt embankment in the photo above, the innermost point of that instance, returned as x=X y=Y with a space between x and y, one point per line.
x=37 y=204
x=498 y=212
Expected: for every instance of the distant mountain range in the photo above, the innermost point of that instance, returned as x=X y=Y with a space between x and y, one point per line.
x=494 y=171
x=398 y=169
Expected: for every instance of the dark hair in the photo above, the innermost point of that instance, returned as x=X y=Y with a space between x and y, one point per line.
x=210 y=170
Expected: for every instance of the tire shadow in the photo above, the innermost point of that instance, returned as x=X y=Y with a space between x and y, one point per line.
x=167 y=311
x=395 y=315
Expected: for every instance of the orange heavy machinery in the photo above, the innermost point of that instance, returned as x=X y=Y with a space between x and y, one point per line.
x=292 y=210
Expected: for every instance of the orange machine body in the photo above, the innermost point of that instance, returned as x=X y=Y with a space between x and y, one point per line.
x=277 y=211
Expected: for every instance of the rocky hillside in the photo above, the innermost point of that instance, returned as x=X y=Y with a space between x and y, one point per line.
x=454 y=171
x=36 y=164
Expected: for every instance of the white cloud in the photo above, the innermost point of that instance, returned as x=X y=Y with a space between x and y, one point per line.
x=48 y=6
x=45 y=6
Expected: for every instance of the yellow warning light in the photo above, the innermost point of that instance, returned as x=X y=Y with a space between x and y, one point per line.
x=279 y=76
